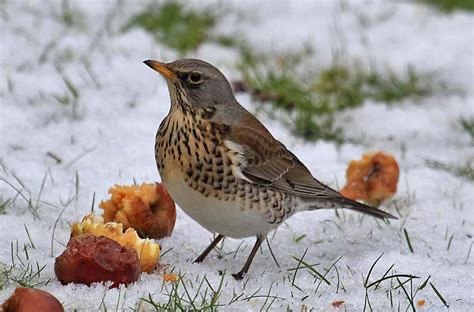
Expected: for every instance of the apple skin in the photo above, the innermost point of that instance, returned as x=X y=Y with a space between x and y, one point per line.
x=90 y=259
x=30 y=299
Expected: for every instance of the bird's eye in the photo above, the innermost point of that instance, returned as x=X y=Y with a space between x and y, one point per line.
x=195 y=77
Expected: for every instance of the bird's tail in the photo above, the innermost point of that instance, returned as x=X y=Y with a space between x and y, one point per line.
x=342 y=202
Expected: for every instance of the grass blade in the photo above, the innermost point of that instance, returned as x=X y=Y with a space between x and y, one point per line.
x=439 y=295
x=408 y=240
x=309 y=267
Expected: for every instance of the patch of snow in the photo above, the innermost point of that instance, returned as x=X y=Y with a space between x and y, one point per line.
x=107 y=138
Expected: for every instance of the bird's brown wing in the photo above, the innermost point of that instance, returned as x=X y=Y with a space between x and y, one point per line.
x=266 y=161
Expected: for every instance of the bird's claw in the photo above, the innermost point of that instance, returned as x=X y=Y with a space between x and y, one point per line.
x=239 y=276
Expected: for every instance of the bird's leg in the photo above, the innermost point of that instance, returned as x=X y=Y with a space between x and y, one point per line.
x=241 y=274
x=209 y=248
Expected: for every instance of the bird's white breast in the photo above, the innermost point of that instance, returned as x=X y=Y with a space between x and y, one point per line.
x=228 y=218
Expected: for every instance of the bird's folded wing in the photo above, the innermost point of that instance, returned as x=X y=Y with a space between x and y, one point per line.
x=266 y=161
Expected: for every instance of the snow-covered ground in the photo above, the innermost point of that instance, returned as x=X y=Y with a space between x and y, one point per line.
x=105 y=135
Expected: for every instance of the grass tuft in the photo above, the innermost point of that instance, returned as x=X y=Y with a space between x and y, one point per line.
x=451 y=5
x=311 y=97
x=4 y=204
x=311 y=270
x=185 y=295
x=71 y=16
x=467 y=123
x=16 y=184
x=393 y=88
x=397 y=281
x=464 y=171
x=179 y=27
x=70 y=98
x=22 y=271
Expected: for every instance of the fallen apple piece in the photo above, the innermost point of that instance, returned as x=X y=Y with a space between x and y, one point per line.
x=372 y=179
x=148 y=208
x=89 y=259
x=147 y=250
x=30 y=299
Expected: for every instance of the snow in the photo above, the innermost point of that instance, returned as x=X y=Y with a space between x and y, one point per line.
x=109 y=139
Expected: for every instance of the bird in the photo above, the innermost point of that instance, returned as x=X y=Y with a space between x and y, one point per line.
x=224 y=168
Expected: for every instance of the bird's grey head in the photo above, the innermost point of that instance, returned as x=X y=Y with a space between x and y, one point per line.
x=201 y=84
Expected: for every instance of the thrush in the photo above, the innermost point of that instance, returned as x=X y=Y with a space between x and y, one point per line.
x=224 y=168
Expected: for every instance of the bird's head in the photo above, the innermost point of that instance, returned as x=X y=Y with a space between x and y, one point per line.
x=196 y=84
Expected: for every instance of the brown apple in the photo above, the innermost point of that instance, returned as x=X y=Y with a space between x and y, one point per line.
x=89 y=259
x=372 y=179
x=30 y=299
x=148 y=208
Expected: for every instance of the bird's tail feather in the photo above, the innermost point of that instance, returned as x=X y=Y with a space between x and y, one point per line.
x=343 y=202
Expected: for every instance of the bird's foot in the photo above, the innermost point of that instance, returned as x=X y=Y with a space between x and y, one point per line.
x=209 y=248
x=199 y=259
x=240 y=275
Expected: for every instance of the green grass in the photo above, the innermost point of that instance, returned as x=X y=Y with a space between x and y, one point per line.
x=4 y=204
x=71 y=16
x=179 y=27
x=70 y=98
x=186 y=295
x=11 y=180
x=451 y=5
x=410 y=246
x=22 y=271
x=391 y=88
x=467 y=123
x=464 y=171
x=311 y=97
x=401 y=286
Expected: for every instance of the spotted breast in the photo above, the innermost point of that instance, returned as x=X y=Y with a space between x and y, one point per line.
x=199 y=168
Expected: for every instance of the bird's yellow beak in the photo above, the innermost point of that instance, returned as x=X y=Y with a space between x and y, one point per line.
x=162 y=68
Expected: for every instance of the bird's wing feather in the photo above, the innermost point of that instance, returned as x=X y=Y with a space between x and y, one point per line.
x=266 y=161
